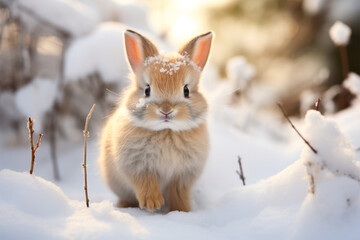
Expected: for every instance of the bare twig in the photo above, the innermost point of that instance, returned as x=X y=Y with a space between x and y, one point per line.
x=292 y=125
x=30 y=125
x=241 y=173
x=317 y=104
x=344 y=61
x=86 y=134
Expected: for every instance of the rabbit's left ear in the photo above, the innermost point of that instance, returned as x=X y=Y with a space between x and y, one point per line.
x=138 y=48
x=198 y=49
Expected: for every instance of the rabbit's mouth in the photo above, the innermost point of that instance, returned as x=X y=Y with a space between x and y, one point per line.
x=167 y=118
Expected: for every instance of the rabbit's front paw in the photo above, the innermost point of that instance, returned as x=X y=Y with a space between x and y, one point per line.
x=151 y=200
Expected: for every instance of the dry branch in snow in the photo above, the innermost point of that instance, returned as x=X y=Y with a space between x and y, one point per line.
x=86 y=134
x=309 y=166
x=241 y=173
x=292 y=125
x=30 y=125
x=317 y=104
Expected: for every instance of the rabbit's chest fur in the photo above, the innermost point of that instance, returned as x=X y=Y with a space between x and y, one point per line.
x=165 y=153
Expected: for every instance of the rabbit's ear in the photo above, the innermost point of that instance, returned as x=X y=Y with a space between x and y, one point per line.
x=138 y=48
x=198 y=49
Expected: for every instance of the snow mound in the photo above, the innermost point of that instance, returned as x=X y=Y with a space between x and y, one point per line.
x=340 y=33
x=335 y=151
x=352 y=82
x=7 y=105
x=101 y=51
x=313 y=7
x=75 y=17
x=36 y=98
x=278 y=207
x=239 y=72
x=33 y=207
x=133 y=14
x=32 y=195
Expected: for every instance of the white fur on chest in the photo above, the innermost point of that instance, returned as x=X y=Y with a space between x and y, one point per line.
x=166 y=155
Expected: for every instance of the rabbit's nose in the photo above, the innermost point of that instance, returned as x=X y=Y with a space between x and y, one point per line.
x=166 y=108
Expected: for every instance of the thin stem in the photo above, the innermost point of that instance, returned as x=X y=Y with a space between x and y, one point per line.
x=241 y=173
x=86 y=134
x=317 y=104
x=38 y=142
x=344 y=61
x=31 y=132
x=30 y=126
x=292 y=125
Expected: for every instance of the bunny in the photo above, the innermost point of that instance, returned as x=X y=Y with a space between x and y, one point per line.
x=156 y=143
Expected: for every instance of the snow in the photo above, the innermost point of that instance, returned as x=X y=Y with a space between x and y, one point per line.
x=74 y=17
x=170 y=67
x=101 y=51
x=352 y=83
x=335 y=154
x=141 y=103
x=307 y=100
x=340 y=33
x=132 y=14
x=275 y=203
x=79 y=17
x=239 y=72
x=35 y=99
x=7 y=105
x=313 y=7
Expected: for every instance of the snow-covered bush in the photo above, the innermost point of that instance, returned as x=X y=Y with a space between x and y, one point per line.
x=8 y=109
x=335 y=153
x=239 y=72
x=353 y=83
x=340 y=33
x=72 y=17
x=100 y=52
x=36 y=98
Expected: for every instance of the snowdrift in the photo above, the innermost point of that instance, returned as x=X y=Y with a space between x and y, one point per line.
x=278 y=207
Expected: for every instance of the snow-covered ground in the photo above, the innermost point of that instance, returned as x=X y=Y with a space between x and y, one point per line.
x=275 y=203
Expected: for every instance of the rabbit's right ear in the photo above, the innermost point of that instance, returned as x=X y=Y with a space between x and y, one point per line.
x=198 y=49
x=138 y=48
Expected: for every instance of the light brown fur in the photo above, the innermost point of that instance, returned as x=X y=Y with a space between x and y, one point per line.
x=145 y=160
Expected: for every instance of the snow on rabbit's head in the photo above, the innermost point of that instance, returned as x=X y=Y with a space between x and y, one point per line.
x=165 y=91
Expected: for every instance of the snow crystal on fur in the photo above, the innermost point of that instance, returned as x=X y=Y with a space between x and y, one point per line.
x=169 y=67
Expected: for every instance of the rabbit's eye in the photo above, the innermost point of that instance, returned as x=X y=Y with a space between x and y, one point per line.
x=147 y=91
x=186 y=91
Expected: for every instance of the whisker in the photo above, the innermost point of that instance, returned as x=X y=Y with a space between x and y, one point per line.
x=107 y=116
x=112 y=92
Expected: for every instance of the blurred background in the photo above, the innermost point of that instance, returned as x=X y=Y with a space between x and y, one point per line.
x=58 y=57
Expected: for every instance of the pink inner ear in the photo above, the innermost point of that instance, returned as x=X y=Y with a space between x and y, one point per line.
x=202 y=53
x=133 y=51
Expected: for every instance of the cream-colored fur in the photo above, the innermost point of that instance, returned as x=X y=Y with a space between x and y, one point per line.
x=147 y=158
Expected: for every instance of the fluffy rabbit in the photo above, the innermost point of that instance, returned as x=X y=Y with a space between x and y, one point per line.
x=156 y=143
